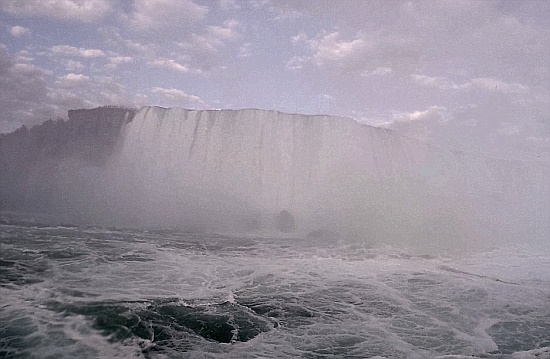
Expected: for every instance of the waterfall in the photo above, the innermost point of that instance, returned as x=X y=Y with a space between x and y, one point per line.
x=256 y=171
x=243 y=167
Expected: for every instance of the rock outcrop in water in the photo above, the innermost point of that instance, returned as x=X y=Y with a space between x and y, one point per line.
x=284 y=222
x=233 y=169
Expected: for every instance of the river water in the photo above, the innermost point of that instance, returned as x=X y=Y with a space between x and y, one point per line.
x=75 y=292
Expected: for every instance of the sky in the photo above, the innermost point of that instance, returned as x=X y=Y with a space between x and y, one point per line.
x=472 y=75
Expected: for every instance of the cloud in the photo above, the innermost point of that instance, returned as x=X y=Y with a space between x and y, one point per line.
x=228 y=4
x=164 y=14
x=297 y=62
x=92 y=53
x=483 y=83
x=286 y=13
x=72 y=65
x=300 y=38
x=258 y=3
x=177 y=95
x=20 y=31
x=438 y=82
x=431 y=114
x=379 y=71
x=80 y=91
x=87 y=11
x=196 y=52
x=476 y=37
x=107 y=90
x=112 y=37
x=64 y=99
x=419 y=124
x=169 y=64
x=507 y=128
x=120 y=59
x=244 y=50
x=363 y=53
x=330 y=49
x=72 y=79
x=213 y=38
x=67 y=50
x=27 y=99
x=202 y=50
x=500 y=86
x=115 y=61
x=24 y=91
x=216 y=35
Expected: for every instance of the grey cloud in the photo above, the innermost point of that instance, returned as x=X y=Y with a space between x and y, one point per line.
x=27 y=99
x=24 y=93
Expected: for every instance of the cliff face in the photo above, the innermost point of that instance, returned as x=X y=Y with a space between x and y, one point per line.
x=33 y=162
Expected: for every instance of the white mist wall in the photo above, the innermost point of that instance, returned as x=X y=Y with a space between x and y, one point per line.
x=272 y=160
x=226 y=165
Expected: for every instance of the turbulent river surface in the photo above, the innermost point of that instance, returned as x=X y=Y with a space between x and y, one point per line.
x=70 y=292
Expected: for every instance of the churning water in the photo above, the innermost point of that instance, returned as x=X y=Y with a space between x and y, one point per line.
x=69 y=292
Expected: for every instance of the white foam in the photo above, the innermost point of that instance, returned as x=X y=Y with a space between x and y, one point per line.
x=361 y=300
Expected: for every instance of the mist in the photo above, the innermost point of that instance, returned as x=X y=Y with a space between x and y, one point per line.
x=237 y=170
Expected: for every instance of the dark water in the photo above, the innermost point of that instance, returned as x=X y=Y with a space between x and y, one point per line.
x=68 y=292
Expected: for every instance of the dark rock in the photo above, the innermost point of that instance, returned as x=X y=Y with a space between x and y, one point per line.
x=284 y=222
